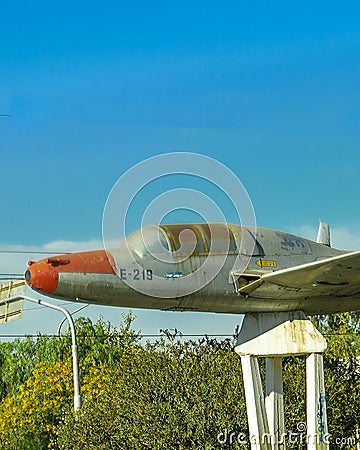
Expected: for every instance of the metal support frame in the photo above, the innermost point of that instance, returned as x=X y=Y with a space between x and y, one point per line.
x=10 y=311
x=273 y=336
x=73 y=313
x=74 y=347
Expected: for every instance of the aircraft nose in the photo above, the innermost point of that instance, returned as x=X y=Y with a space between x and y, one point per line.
x=42 y=277
x=45 y=276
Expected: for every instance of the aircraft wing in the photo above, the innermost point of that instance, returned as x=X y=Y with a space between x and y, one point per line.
x=338 y=275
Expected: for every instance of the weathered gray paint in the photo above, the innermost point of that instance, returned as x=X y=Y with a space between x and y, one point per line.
x=222 y=294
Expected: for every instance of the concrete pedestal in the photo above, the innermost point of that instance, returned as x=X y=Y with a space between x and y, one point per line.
x=273 y=336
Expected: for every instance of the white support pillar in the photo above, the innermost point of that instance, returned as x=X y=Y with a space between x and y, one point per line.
x=255 y=406
x=274 y=402
x=317 y=432
x=274 y=335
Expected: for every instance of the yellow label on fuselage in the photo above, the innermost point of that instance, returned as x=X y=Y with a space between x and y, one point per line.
x=266 y=263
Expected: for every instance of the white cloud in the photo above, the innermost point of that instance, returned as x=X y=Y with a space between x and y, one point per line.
x=71 y=246
x=346 y=239
x=16 y=263
x=341 y=236
x=306 y=231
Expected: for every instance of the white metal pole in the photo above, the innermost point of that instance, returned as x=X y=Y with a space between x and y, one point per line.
x=65 y=318
x=75 y=357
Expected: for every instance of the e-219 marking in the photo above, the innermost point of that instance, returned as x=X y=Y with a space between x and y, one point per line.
x=137 y=274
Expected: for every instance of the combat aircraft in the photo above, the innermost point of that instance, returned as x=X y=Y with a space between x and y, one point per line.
x=219 y=267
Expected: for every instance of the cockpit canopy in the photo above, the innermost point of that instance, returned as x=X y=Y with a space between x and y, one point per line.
x=180 y=239
x=215 y=238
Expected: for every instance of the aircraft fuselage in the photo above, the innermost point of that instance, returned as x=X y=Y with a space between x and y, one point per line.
x=146 y=281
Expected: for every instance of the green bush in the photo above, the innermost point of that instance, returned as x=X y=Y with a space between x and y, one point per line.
x=163 y=396
x=168 y=394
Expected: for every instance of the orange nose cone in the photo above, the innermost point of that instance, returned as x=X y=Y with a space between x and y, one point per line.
x=42 y=277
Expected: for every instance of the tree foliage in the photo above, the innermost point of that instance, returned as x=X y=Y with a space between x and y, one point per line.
x=176 y=395
x=165 y=394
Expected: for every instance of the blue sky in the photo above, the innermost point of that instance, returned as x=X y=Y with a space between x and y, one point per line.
x=270 y=89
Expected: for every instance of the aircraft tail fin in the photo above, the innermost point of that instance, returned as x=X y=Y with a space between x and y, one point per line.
x=323 y=236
